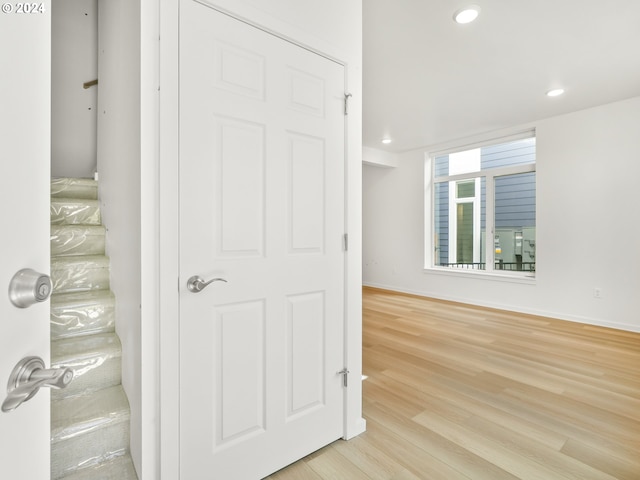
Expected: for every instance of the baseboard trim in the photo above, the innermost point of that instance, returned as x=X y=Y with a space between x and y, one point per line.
x=506 y=308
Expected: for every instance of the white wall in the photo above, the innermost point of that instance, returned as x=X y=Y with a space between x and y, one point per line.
x=119 y=151
x=588 y=233
x=146 y=448
x=74 y=61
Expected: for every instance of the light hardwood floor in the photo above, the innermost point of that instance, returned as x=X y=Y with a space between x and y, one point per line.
x=460 y=392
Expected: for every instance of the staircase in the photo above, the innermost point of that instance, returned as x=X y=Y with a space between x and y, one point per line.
x=89 y=418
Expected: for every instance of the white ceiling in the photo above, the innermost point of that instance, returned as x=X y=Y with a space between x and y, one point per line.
x=428 y=80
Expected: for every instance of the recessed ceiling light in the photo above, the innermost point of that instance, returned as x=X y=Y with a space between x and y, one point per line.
x=386 y=141
x=555 y=92
x=467 y=14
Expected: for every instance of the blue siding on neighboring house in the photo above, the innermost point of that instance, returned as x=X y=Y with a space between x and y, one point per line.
x=441 y=166
x=442 y=210
x=515 y=153
x=442 y=222
x=515 y=196
x=516 y=201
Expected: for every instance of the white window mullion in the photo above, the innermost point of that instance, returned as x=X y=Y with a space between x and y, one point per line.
x=497 y=172
x=453 y=223
x=477 y=220
x=490 y=202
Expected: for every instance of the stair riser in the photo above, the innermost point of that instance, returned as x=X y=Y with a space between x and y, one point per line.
x=77 y=240
x=79 y=278
x=81 y=414
x=74 y=188
x=91 y=448
x=90 y=374
x=79 y=212
x=73 y=321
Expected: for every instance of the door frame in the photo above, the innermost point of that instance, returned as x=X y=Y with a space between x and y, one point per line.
x=160 y=339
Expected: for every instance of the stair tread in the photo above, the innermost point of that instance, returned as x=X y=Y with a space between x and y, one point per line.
x=75 y=201
x=117 y=468
x=67 y=181
x=68 y=240
x=80 y=299
x=94 y=229
x=96 y=261
x=73 y=211
x=78 y=415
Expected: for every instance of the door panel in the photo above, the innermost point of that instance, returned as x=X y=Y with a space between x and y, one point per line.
x=241 y=404
x=306 y=348
x=25 y=56
x=306 y=168
x=240 y=179
x=262 y=206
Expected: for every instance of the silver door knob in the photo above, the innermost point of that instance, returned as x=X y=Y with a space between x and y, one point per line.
x=28 y=376
x=196 y=284
x=28 y=287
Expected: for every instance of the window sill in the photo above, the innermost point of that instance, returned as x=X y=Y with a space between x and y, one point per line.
x=511 y=277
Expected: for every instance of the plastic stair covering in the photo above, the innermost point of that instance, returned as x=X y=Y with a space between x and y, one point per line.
x=95 y=360
x=81 y=273
x=90 y=419
x=77 y=240
x=74 y=188
x=117 y=467
x=70 y=211
x=85 y=313
x=88 y=429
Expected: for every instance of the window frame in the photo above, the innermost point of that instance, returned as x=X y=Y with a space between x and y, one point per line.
x=490 y=174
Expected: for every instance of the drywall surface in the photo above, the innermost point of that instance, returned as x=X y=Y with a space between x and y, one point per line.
x=74 y=61
x=587 y=229
x=379 y=158
x=332 y=26
x=120 y=177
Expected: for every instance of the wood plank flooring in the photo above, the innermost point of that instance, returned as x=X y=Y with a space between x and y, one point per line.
x=461 y=392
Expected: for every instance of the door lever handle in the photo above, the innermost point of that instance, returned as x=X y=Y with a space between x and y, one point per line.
x=196 y=284
x=28 y=376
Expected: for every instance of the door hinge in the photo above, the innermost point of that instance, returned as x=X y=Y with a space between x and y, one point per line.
x=345 y=376
x=347 y=96
x=345 y=242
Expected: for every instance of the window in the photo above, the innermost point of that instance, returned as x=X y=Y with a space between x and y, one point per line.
x=487 y=189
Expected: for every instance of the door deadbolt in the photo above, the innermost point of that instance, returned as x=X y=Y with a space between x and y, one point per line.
x=28 y=287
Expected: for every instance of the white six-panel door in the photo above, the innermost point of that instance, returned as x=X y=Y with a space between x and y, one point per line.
x=262 y=202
